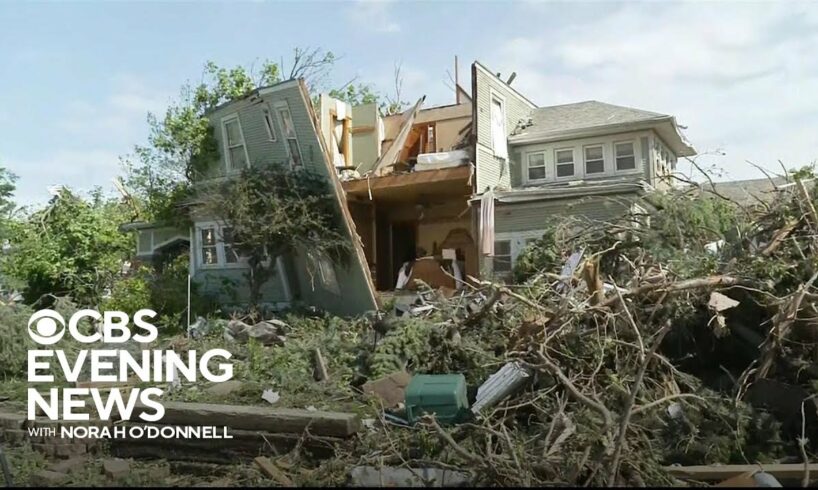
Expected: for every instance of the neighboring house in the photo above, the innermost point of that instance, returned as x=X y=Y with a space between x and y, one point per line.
x=270 y=125
x=477 y=178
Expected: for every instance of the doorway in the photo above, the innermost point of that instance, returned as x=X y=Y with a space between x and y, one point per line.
x=404 y=238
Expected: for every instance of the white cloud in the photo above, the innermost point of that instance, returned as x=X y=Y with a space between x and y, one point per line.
x=87 y=141
x=374 y=15
x=81 y=170
x=742 y=76
x=120 y=116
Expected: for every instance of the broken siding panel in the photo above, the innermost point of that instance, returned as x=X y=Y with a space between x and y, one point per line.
x=534 y=215
x=493 y=171
x=366 y=136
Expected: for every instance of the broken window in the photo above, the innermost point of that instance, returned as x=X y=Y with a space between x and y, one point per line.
x=235 y=151
x=498 y=128
x=268 y=123
x=625 y=157
x=231 y=256
x=565 y=162
x=328 y=278
x=217 y=246
x=288 y=128
x=210 y=255
x=536 y=166
x=594 y=160
x=501 y=263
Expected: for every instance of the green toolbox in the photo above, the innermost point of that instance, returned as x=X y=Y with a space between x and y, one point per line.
x=441 y=394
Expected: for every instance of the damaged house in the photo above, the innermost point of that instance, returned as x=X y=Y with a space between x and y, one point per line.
x=435 y=193
x=467 y=185
x=268 y=126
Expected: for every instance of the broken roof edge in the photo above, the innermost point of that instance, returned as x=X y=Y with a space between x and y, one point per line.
x=566 y=191
x=267 y=89
x=390 y=156
x=485 y=70
x=137 y=225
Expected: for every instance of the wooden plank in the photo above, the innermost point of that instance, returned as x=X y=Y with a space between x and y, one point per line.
x=244 y=446
x=271 y=471
x=722 y=472
x=275 y=420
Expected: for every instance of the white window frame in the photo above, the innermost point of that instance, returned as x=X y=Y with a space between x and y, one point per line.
x=221 y=258
x=573 y=176
x=636 y=165
x=285 y=137
x=585 y=160
x=528 y=166
x=226 y=143
x=502 y=100
x=518 y=241
x=269 y=122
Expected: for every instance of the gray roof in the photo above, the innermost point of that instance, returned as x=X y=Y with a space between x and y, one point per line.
x=593 y=117
x=583 y=115
x=747 y=191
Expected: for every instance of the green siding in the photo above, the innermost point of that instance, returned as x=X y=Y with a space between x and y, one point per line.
x=525 y=216
x=351 y=279
x=212 y=282
x=493 y=171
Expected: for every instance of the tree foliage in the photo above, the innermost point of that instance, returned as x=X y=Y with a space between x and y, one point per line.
x=275 y=210
x=180 y=144
x=71 y=247
x=7 y=187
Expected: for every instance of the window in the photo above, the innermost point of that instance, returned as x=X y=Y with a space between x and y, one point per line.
x=235 y=151
x=565 y=162
x=288 y=128
x=268 y=123
x=498 y=128
x=210 y=255
x=501 y=263
x=536 y=166
x=594 y=161
x=217 y=246
x=625 y=157
x=231 y=256
x=328 y=278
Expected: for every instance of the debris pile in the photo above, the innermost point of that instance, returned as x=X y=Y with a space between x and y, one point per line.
x=652 y=350
x=669 y=347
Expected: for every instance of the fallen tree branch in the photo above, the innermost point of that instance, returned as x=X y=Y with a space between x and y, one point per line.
x=626 y=417
x=704 y=282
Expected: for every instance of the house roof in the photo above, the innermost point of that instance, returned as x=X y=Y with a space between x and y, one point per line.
x=589 y=113
x=747 y=191
x=592 y=117
x=256 y=91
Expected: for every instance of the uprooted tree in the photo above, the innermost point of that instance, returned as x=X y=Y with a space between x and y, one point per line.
x=275 y=210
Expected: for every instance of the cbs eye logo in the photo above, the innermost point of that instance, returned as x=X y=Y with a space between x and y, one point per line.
x=46 y=327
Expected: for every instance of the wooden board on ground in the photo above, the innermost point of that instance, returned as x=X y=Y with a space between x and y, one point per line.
x=276 y=420
x=722 y=472
x=244 y=446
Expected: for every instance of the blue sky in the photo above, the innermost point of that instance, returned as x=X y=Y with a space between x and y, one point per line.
x=77 y=79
